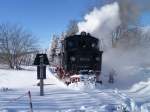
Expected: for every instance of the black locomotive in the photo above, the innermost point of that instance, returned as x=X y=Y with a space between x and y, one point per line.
x=81 y=52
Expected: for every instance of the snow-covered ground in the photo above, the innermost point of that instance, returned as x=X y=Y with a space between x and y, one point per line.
x=131 y=92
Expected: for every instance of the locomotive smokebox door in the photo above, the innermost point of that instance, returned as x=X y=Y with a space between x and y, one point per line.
x=41 y=61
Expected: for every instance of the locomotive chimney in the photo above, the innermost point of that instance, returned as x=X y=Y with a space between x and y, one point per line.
x=83 y=33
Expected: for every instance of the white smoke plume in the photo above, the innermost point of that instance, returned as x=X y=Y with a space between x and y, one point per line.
x=101 y=22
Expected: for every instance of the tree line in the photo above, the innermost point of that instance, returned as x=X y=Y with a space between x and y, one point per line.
x=57 y=42
x=17 y=46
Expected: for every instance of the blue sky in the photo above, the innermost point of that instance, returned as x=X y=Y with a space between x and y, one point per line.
x=47 y=17
x=43 y=17
x=145 y=19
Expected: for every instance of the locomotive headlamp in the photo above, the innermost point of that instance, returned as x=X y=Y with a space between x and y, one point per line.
x=97 y=58
x=93 y=45
x=72 y=58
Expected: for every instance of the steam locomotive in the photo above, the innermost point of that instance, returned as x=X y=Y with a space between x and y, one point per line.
x=80 y=54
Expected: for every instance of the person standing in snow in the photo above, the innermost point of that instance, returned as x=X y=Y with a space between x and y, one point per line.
x=111 y=76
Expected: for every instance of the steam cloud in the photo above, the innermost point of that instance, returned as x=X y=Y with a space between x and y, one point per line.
x=101 y=22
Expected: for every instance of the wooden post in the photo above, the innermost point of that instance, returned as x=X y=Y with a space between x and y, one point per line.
x=41 y=75
x=31 y=106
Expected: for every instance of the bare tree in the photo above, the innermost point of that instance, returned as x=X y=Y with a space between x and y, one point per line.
x=72 y=28
x=129 y=11
x=15 y=44
x=53 y=48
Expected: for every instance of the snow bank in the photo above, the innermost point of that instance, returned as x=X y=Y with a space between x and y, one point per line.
x=17 y=79
x=77 y=97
